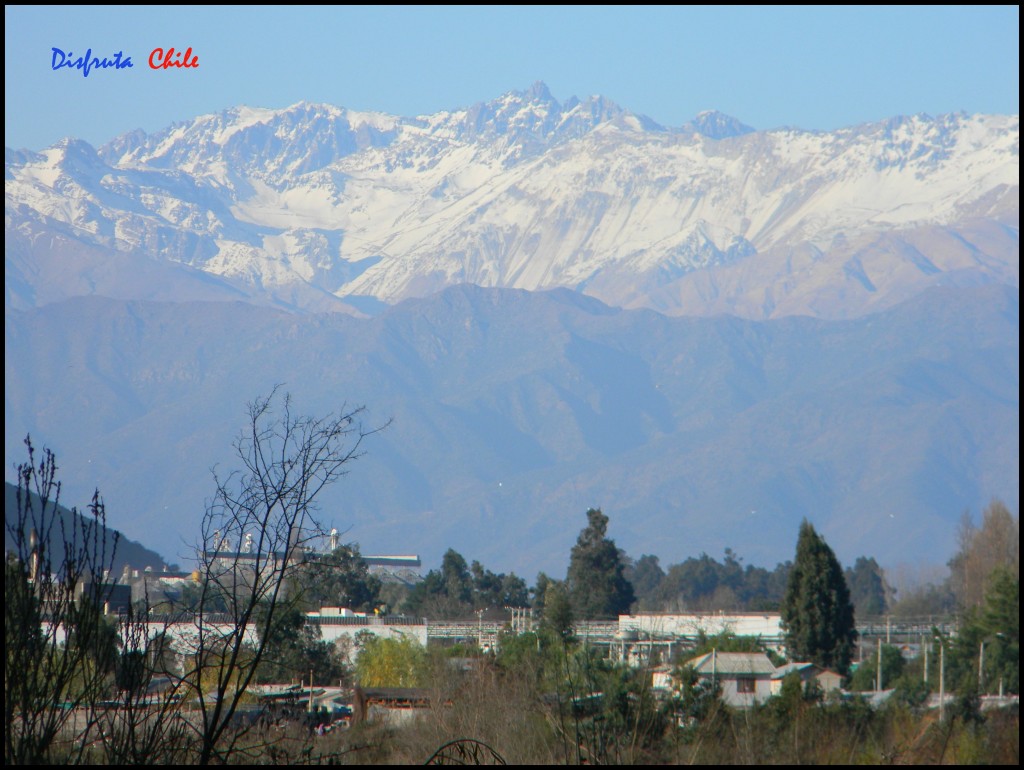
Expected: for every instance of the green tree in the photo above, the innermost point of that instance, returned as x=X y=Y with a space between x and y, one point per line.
x=694 y=700
x=295 y=649
x=383 y=662
x=1000 y=622
x=458 y=590
x=338 y=579
x=865 y=678
x=558 y=611
x=868 y=588
x=691 y=583
x=646 y=576
x=497 y=590
x=817 y=614
x=444 y=593
x=539 y=591
x=995 y=628
x=455 y=577
x=596 y=581
x=702 y=583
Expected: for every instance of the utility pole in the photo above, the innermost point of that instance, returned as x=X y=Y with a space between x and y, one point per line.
x=878 y=674
x=942 y=679
x=981 y=669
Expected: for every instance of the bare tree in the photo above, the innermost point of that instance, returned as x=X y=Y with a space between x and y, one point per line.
x=64 y=658
x=147 y=725
x=59 y=647
x=254 y=535
x=981 y=550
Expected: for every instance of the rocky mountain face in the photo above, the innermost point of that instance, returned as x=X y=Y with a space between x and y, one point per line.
x=709 y=331
x=316 y=207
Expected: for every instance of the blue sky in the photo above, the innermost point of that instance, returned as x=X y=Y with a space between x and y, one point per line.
x=812 y=68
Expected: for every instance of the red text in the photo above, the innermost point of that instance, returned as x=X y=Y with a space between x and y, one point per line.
x=159 y=60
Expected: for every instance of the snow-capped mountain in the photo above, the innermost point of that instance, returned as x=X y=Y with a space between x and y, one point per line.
x=128 y=350
x=316 y=206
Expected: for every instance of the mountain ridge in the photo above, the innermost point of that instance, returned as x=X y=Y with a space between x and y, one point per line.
x=514 y=411
x=316 y=207
x=561 y=303
x=121 y=553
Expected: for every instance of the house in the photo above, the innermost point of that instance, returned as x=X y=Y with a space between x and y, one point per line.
x=826 y=679
x=395 y=705
x=745 y=677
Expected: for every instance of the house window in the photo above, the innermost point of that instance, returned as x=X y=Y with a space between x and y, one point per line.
x=746 y=685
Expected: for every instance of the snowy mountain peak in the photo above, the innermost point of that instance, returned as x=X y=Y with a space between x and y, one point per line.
x=717 y=125
x=532 y=120
x=312 y=203
x=261 y=142
x=539 y=91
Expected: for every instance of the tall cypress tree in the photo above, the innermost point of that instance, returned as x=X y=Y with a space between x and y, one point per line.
x=597 y=586
x=817 y=614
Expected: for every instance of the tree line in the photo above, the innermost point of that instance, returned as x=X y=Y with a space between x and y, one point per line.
x=81 y=687
x=602 y=582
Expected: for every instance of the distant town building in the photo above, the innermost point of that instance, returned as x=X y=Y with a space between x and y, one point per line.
x=392 y=705
x=342 y=624
x=745 y=677
x=810 y=674
x=766 y=626
x=395 y=569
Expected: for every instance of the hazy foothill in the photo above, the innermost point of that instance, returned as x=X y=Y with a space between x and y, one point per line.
x=568 y=356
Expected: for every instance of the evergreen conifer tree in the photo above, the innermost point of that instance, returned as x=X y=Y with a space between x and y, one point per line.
x=817 y=614
x=597 y=586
